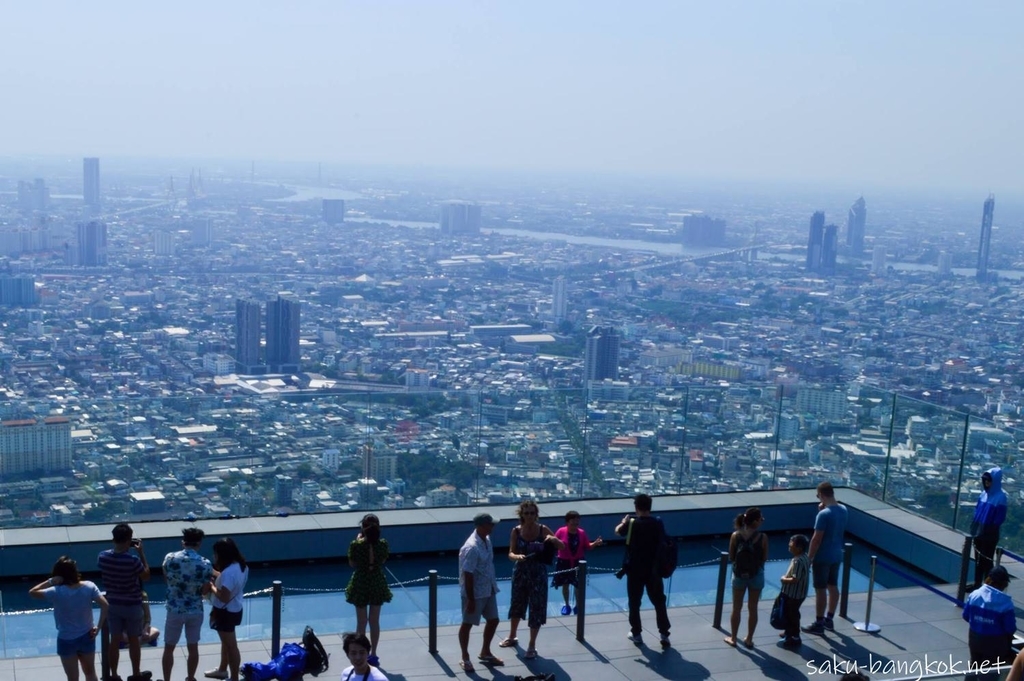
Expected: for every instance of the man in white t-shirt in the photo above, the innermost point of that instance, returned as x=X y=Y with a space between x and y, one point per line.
x=479 y=587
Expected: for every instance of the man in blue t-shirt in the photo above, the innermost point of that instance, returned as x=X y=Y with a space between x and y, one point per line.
x=825 y=554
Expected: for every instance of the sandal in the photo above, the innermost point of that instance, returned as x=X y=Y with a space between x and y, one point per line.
x=531 y=654
x=509 y=642
x=216 y=674
x=467 y=666
x=491 y=660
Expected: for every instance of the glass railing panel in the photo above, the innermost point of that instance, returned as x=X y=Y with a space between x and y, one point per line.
x=866 y=447
x=923 y=458
x=992 y=443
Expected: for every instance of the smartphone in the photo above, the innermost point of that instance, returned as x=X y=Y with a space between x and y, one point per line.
x=136 y=542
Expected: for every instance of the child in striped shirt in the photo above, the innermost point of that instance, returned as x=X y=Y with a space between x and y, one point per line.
x=794 y=587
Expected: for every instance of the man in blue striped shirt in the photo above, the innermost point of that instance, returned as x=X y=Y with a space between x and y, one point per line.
x=123 y=573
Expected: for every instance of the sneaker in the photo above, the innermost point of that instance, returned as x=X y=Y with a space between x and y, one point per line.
x=830 y=624
x=665 y=643
x=373 y=660
x=635 y=638
x=816 y=627
x=792 y=642
x=566 y=610
x=575 y=610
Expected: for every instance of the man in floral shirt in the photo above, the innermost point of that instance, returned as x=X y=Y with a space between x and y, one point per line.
x=188 y=578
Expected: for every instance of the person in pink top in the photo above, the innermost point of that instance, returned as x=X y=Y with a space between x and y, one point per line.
x=576 y=545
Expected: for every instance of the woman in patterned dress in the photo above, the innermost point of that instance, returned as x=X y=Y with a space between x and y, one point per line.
x=368 y=587
x=529 y=575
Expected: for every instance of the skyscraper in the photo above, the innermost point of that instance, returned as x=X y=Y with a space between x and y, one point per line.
x=829 y=248
x=815 y=238
x=559 y=302
x=92 y=244
x=985 y=242
x=602 y=354
x=333 y=211
x=91 y=181
x=460 y=217
x=247 y=337
x=703 y=230
x=855 y=221
x=283 y=334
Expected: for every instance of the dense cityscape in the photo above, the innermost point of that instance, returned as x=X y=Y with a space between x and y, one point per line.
x=237 y=340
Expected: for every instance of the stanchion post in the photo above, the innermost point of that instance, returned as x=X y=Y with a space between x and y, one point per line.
x=275 y=619
x=866 y=625
x=723 y=569
x=581 y=599
x=104 y=646
x=965 y=566
x=844 y=592
x=432 y=614
x=999 y=555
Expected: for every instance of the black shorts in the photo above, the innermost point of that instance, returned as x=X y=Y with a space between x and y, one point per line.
x=223 y=620
x=563 y=578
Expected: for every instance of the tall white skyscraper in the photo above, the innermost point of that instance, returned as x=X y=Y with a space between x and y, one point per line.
x=878 y=261
x=559 y=300
x=945 y=263
x=91 y=181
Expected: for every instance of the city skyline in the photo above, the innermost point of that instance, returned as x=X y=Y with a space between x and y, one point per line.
x=466 y=86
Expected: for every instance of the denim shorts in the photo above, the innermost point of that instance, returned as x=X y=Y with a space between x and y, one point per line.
x=73 y=647
x=755 y=583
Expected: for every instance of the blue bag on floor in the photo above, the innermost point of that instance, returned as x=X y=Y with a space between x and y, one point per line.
x=287 y=666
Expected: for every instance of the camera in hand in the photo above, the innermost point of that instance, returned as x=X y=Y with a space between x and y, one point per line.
x=136 y=543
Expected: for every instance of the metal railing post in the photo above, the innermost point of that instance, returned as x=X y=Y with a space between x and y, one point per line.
x=866 y=625
x=844 y=591
x=723 y=569
x=104 y=650
x=275 y=620
x=581 y=599
x=432 y=612
x=965 y=566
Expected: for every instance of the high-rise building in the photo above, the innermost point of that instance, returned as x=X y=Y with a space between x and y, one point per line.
x=92 y=244
x=602 y=354
x=28 y=445
x=247 y=337
x=163 y=242
x=334 y=211
x=945 y=264
x=829 y=249
x=283 y=486
x=855 y=222
x=33 y=196
x=985 y=242
x=460 y=217
x=878 y=261
x=91 y=181
x=815 y=237
x=18 y=291
x=703 y=230
x=283 y=316
x=559 y=300
x=202 y=232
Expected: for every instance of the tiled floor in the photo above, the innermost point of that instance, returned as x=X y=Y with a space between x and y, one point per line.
x=917 y=628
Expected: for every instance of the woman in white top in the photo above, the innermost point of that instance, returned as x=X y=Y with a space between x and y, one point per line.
x=72 y=601
x=230 y=574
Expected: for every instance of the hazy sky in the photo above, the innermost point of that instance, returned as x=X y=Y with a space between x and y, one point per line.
x=891 y=93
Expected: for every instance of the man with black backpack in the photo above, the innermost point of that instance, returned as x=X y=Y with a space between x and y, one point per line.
x=644 y=535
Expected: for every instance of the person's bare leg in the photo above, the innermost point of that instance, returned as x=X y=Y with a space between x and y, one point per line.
x=513 y=627
x=533 y=638
x=752 y=617
x=191 y=662
x=167 y=661
x=88 y=662
x=734 y=618
x=374 y=621
x=490 y=627
x=113 y=656
x=565 y=594
x=464 y=640
x=820 y=601
x=361 y=620
x=234 y=655
x=135 y=654
x=70 y=665
x=833 y=598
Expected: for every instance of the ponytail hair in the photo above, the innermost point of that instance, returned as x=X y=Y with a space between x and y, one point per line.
x=748 y=518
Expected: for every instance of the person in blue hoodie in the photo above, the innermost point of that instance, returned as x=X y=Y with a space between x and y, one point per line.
x=988 y=517
x=989 y=613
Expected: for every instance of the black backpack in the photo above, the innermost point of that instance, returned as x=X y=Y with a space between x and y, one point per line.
x=748 y=556
x=317 y=659
x=667 y=555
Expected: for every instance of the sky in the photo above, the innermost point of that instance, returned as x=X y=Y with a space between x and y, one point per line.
x=917 y=94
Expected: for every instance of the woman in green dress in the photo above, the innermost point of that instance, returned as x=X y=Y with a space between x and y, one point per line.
x=368 y=587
